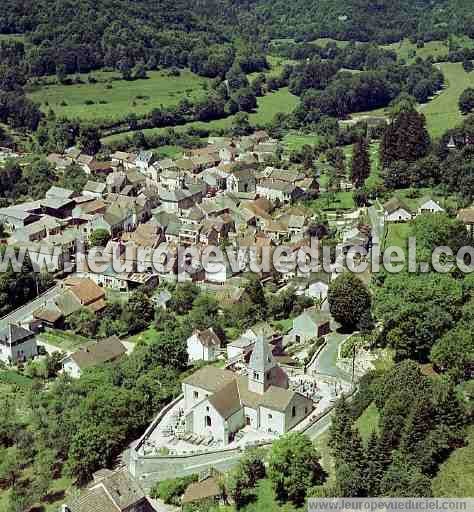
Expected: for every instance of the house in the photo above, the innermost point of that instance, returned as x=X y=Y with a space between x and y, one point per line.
x=241 y=181
x=77 y=293
x=144 y=161
x=60 y=162
x=180 y=199
x=278 y=190
x=311 y=324
x=203 y=345
x=218 y=403
x=95 y=189
x=111 y=491
x=95 y=354
x=17 y=344
x=428 y=205
x=85 y=162
x=123 y=159
x=58 y=206
x=16 y=217
x=247 y=340
x=116 y=181
x=60 y=192
x=396 y=211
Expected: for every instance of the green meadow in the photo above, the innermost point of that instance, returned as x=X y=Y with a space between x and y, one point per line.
x=442 y=113
x=112 y=98
x=268 y=105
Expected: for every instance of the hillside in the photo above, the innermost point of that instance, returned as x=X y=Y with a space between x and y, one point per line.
x=80 y=36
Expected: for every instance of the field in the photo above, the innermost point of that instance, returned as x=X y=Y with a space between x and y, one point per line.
x=442 y=113
x=455 y=478
x=113 y=97
x=295 y=141
x=268 y=105
x=438 y=49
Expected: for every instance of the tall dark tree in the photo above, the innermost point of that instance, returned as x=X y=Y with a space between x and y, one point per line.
x=360 y=168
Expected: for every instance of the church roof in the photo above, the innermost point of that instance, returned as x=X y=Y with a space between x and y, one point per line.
x=227 y=400
x=210 y=378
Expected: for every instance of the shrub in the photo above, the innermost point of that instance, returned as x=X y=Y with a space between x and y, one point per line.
x=170 y=491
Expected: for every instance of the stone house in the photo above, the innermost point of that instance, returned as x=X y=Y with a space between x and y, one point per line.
x=95 y=354
x=17 y=344
x=110 y=491
x=203 y=345
x=311 y=324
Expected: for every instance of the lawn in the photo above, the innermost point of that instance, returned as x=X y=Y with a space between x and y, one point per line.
x=268 y=105
x=442 y=113
x=281 y=101
x=333 y=201
x=10 y=377
x=295 y=141
x=146 y=336
x=63 y=340
x=397 y=235
x=113 y=98
x=323 y=41
x=168 y=151
x=368 y=422
x=265 y=501
x=51 y=503
x=455 y=478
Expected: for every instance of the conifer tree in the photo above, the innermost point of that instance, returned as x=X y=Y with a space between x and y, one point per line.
x=360 y=163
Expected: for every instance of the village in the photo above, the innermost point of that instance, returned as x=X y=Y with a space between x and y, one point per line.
x=252 y=389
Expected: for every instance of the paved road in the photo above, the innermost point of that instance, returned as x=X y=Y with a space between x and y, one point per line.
x=26 y=312
x=325 y=364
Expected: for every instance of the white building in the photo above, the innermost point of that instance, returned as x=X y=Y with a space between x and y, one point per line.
x=396 y=211
x=17 y=344
x=203 y=345
x=218 y=403
x=428 y=205
x=106 y=351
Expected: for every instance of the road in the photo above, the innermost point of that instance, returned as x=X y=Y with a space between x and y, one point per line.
x=377 y=222
x=26 y=312
x=325 y=363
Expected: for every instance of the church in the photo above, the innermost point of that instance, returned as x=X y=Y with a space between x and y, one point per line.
x=218 y=403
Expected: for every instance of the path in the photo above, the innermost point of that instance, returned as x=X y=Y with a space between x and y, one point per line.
x=25 y=312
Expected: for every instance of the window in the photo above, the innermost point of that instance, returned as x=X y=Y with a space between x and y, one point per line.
x=293 y=411
x=207 y=408
x=196 y=394
x=255 y=375
x=270 y=416
x=207 y=421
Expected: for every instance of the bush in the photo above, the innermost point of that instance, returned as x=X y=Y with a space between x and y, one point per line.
x=170 y=491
